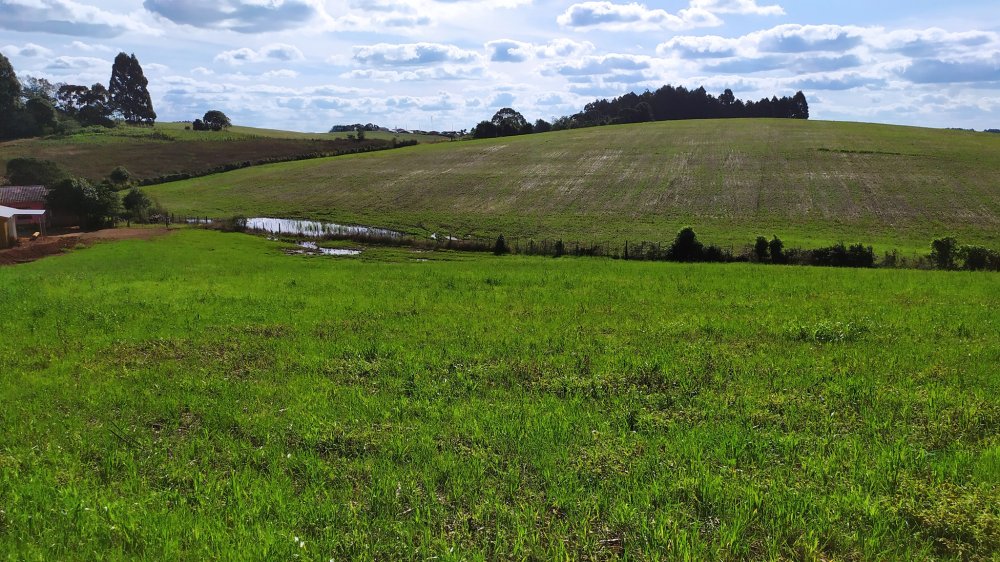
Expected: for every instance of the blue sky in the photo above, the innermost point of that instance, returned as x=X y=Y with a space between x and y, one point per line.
x=447 y=64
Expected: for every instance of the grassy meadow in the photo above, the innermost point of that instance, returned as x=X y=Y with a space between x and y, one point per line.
x=811 y=183
x=206 y=396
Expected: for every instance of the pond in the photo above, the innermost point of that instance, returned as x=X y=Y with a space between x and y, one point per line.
x=314 y=248
x=316 y=229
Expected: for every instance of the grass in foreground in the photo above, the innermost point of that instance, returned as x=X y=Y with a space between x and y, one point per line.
x=811 y=183
x=204 y=396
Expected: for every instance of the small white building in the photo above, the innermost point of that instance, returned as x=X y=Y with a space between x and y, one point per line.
x=8 y=223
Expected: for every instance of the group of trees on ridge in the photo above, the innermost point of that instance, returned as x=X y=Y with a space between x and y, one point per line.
x=665 y=104
x=39 y=107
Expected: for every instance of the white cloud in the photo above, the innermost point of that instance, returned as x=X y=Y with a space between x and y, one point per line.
x=633 y=17
x=64 y=17
x=738 y=7
x=276 y=52
x=706 y=46
x=418 y=75
x=508 y=50
x=413 y=54
x=242 y=16
x=29 y=50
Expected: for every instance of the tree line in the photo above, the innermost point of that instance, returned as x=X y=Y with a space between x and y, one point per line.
x=37 y=107
x=668 y=103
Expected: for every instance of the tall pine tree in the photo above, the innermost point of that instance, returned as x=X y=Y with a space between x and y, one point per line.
x=129 y=95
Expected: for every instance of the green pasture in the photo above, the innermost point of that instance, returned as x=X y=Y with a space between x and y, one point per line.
x=205 y=396
x=811 y=183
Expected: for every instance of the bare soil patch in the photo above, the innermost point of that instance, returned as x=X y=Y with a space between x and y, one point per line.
x=29 y=250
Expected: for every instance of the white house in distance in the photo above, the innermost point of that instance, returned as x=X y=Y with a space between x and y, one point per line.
x=8 y=223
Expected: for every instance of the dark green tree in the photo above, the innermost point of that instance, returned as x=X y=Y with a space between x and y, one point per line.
x=35 y=171
x=760 y=249
x=542 y=126
x=129 y=96
x=500 y=247
x=10 y=88
x=137 y=204
x=89 y=106
x=216 y=120
x=96 y=205
x=777 y=248
x=120 y=176
x=685 y=246
x=509 y=122
x=485 y=130
x=943 y=252
x=42 y=114
x=800 y=107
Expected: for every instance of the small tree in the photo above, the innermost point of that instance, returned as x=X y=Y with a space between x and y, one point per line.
x=560 y=249
x=500 y=247
x=216 y=120
x=96 y=205
x=760 y=249
x=777 y=249
x=943 y=252
x=685 y=246
x=137 y=204
x=120 y=176
x=199 y=125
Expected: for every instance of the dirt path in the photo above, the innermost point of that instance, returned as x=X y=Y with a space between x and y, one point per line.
x=31 y=250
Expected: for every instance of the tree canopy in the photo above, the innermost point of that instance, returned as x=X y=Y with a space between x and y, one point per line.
x=214 y=120
x=129 y=96
x=505 y=122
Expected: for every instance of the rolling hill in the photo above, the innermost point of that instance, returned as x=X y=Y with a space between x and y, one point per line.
x=168 y=148
x=809 y=182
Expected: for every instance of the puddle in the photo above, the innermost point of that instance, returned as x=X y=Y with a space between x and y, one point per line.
x=314 y=248
x=199 y=221
x=435 y=236
x=315 y=229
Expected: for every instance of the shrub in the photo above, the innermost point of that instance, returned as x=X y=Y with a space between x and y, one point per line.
x=35 y=171
x=500 y=247
x=760 y=249
x=777 y=248
x=977 y=258
x=943 y=252
x=96 y=205
x=120 y=176
x=685 y=247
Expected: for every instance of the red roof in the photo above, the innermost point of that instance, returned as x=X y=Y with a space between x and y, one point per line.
x=18 y=195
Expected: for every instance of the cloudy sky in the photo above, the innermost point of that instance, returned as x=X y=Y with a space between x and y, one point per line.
x=447 y=64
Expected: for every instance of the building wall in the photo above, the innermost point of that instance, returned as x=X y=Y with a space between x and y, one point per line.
x=6 y=240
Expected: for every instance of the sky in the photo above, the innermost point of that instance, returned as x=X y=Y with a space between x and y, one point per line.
x=307 y=65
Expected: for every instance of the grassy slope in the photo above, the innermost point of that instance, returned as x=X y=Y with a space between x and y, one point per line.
x=169 y=148
x=204 y=396
x=810 y=182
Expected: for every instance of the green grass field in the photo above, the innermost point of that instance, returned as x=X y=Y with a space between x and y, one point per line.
x=167 y=148
x=811 y=183
x=205 y=396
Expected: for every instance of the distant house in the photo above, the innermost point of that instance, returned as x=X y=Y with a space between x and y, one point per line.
x=33 y=197
x=8 y=223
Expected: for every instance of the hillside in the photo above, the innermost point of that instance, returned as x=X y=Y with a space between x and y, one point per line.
x=809 y=182
x=168 y=148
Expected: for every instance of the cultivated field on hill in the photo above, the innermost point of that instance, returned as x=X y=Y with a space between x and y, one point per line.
x=812 y=183
x=167 y=148
x=205 y=396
